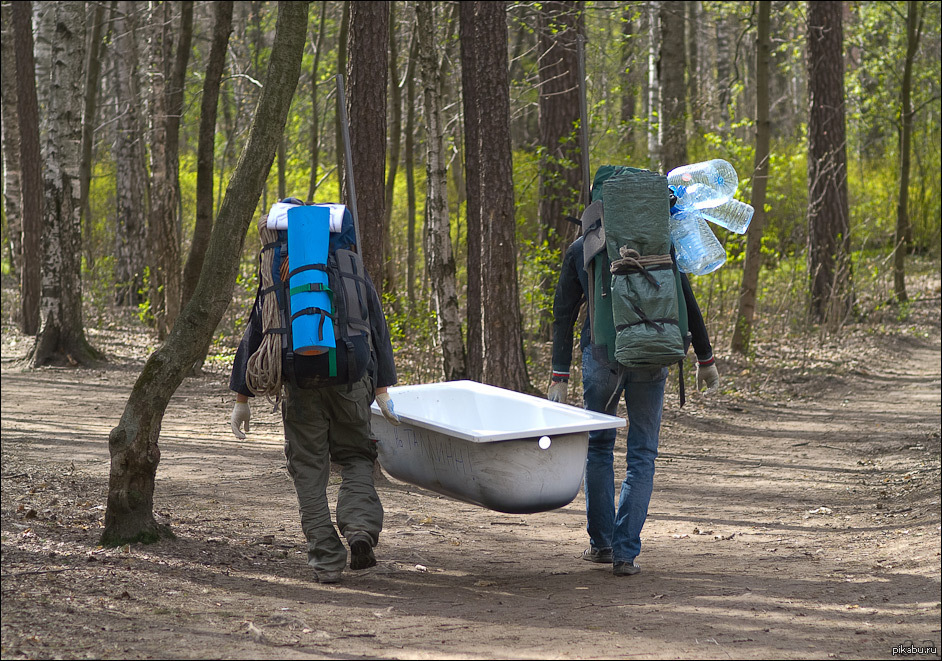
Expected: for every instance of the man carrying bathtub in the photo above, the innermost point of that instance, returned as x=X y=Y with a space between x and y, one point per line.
x=615 y=535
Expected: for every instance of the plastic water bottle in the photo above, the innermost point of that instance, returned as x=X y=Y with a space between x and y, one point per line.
x=698 y=250
x=703 y=185
x=733 y=215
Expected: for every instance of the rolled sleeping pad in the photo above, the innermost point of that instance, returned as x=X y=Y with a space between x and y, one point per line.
x=311 y=304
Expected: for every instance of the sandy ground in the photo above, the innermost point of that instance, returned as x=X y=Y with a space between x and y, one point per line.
x=796 y=514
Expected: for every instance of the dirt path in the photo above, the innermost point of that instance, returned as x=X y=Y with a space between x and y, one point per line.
x=796 y=515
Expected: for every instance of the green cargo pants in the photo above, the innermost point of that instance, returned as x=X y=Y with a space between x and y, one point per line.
x=324 y=424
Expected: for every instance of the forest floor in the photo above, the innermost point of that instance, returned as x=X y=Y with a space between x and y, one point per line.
x=796 y=515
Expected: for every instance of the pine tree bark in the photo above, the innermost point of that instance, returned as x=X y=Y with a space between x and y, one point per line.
x=31 y=174
x=748 y=291
x=829 y=265
x=672 y=115
x=504 y=361
x=467 y=34
x=439 y=257
x=206 y=149
x=135 y=454
x=367 y=73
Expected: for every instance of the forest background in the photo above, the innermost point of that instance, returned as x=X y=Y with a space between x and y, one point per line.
x=126 y=117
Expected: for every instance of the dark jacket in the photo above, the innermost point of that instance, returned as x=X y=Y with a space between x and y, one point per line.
x=382 y=367
x=571 y=291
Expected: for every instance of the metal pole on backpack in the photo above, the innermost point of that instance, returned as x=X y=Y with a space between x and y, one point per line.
x=348 y=158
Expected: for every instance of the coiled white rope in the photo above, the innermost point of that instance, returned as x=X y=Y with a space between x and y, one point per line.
x=263 y=372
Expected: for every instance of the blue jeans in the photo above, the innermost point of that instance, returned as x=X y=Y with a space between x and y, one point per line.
x=620 y=530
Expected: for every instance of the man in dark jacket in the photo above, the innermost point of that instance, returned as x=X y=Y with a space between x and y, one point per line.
x=324 y=424
x=615 y=536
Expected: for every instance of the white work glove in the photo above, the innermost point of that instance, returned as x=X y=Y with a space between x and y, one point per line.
x=707 y=374
x=387 y=407
x=558 y=392
x=241 y=414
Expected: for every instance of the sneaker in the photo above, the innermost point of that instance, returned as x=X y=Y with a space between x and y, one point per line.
x=327 y=576
x=593 y=554
x=625 y=569
x=361 y=551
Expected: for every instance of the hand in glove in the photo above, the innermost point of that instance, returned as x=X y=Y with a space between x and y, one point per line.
x=387 y=407
x=707 y=374
x=558 y=392
x=241 y=414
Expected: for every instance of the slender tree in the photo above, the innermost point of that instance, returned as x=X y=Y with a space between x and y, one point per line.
x=135 y=454
x=131 y=181
x=367 y=74
x=903 y=230
x=742 y=333
x=409 y=164
x=829 y=264
x=31 y=171
x=395 y=150
x=315 y=104
x=672 y=114
x=12 y=193
x=96 y=34
x=504 y=361
x=439 y=256
x=61 y=337
x=206 y=148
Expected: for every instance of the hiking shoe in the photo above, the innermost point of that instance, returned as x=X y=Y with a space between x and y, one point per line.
x=327 y=576
x=361 y=551
x=625 y=569
x=593 y=554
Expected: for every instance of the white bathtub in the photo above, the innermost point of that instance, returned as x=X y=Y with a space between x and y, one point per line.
x=488 y=446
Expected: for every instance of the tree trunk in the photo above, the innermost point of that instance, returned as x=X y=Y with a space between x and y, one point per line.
x=560 y=24
x=341 y=67
x=167 y=73
x=828 y=215
x=395 y=145
x=628 y=75
x=409 y=163
x=672 y=124
x=439 y=258
x=691 y=38
x=367 y=75
x=131 y=182
x=315 y=100
x=133 y=446
x=206 y=149
x=903 y=230
x=748 y=291
x=12 y=192
x=504 y=361
x=654 y=93
x=468 y=32
x=89 y=118
x=31 y=170
x=61 y=337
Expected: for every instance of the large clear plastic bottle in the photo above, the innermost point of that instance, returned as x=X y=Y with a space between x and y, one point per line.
x=703 y=185
x=733 y=215
x=698 y=250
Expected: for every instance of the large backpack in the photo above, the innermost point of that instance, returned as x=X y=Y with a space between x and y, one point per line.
x=636 y=303
x=322 y=293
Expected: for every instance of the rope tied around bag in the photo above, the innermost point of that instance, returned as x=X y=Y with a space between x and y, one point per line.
x=632 y=260
x=263 y=371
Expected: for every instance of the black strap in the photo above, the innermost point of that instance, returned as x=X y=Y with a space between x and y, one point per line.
x=307 y=267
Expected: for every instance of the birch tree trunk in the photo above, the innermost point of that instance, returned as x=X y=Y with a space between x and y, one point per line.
x=654 y=90
x=61 y=337
x=131 y=182
x=129 y=516
x=439 y=257
x=96 y=18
